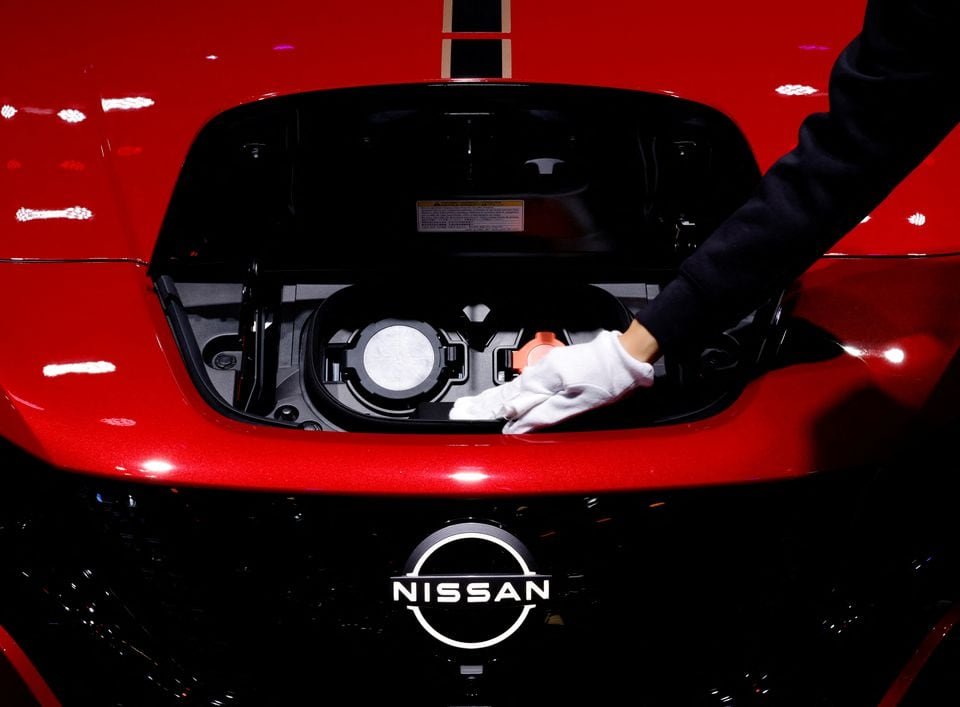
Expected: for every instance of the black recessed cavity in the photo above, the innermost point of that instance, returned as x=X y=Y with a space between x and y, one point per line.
x=476 y=16
x=361 y=259
x=476 y=58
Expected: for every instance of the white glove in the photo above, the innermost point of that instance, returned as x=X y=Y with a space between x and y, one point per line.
x=566 y=382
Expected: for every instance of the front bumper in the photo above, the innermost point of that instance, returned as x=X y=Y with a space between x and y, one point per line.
x=137 y=414
x=803 y=592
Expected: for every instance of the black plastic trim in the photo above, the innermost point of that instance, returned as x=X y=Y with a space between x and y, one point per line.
x=476 y=58
x=193 y=357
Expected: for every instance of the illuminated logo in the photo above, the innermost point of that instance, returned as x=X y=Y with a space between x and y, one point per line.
x=471 y=609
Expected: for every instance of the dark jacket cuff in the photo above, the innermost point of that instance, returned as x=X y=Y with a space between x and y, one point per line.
x=677 y=317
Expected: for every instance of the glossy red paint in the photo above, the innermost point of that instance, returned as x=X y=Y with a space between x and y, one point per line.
x=26 y=670
x=177 y=66
x=122 y=89
x=898 y=690
x=93 y=382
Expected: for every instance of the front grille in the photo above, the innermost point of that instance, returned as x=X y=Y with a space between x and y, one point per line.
x=126 y=593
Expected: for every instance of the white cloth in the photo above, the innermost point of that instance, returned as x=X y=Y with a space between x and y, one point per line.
x=567 y=382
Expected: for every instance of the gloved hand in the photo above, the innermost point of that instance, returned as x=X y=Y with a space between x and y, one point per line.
x=567 y=382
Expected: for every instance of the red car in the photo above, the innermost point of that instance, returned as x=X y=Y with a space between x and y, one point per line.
x=251 y=254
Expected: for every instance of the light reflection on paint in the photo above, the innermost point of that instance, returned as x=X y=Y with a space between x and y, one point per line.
x=814 y=48
x=157 y=466
x=283 y=47
x=917 y=219
x=211 y=57
x=71 y=213
x=865 y=219
x=72 y=115
x=8 y=111
x=52 y=370
x=21 y=401
x=895 y=355
x=796 y=89
x=469 y=477
x=127 y=103
x=118 y=421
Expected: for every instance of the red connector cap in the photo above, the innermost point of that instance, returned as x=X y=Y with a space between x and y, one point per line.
x=542 y=343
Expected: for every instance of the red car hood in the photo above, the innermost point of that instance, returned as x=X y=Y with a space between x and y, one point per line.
x=101 y=102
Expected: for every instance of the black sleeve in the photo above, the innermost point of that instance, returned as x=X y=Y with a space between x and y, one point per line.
x=893 y=98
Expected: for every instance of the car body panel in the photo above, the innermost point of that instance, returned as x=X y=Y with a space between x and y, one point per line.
x=138 y=84
x=138 y=414
x=25 y=677
x=900 y=687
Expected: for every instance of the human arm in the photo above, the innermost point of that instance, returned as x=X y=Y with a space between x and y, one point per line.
x=893 y=97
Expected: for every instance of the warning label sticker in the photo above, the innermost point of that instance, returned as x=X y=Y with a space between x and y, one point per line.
x=469 y=216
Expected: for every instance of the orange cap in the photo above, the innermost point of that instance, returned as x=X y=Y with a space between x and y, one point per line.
x=542 y=343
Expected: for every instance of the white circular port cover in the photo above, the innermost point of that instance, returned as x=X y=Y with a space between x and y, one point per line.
x=398 y=358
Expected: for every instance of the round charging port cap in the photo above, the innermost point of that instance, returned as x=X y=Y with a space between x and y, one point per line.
x=399 y=358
